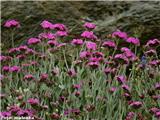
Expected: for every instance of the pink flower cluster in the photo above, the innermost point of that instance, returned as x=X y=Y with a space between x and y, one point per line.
x=12 y=23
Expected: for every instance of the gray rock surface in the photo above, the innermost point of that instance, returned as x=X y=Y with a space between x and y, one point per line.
x=141 y=18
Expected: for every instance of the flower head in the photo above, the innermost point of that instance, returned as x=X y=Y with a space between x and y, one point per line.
x=154 y=110
x=76 y=86
x=72 y=73
x=85 y=54
x=133 y=40
x=126 y=87
x=89 y=35
x=5 y=114
x=121 y=58
x=29 y=77
x=89 y=25
x=33 y=101
x=153 y=43
x=61 y=33
x=25 y=112
x=121 y=79
x=130 y=116
x=52 y=42
x=110 y=70
x=55 y=116
x=5 y=68
x=157 y=86
x=77 y=42
x=127 y=96
x=136 y=104
x=33 y=41
x=23 y=48
x=93 y=64
x=110 y=44
x=60 y=27
x=150 y=52
x=43 y=76
x=112 y=89
x=46 y=25
x=47 y=35
x=55 y=71
x=15 y=69
x=91 y=45
x=12 y=23
x=119 y=34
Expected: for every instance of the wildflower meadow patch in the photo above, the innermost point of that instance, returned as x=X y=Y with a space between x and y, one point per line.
x=54 y=76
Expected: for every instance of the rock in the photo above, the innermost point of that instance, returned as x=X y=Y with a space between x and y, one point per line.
x=141 y=18
x=138 y=17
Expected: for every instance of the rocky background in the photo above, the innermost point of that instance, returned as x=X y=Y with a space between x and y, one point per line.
x=140 y=18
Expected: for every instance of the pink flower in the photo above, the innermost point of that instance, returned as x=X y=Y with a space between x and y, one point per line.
x=77 y=42
x=89 y=25
x=110 y=44
x=109 y=70
x=13 y=50
x=133 y=40
x=76 y=86
x=28 y=77
x=89 y=35
x=44 y=76
x=12 y=23
x=127 y=96
x=130 y=116
x=136 y=104
x=157 y=86
x=6 y=68
x=84 y=54
x=91 y=45
x=72 y=73
x=77 y=93
x=112 y=89
x=61 y=33
x=60 y=27
x=55 y=71
x=153 y=43
x=119 y=34
x=48 y=35
x=26 y=112
x=33 y=101
x=33 y=41
x=98 y=54
x=128 y=53
x=121 y=58
x=14 y=109
x=52 y=42
x=126 y=87
x=55 y=116
x=154 y=110
x=5 y=58
x=93 y=64
x=46 y=25
x=150 y=52
x=157 y=114
x=23 y=48
x=125 y=49
x=30 y=51
x=15 y=69
x=61 y=45
x=156 y=97
x=95 y=59
x=21 y=57
x=154 y=63
x=5 y=114
x=121 y=79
